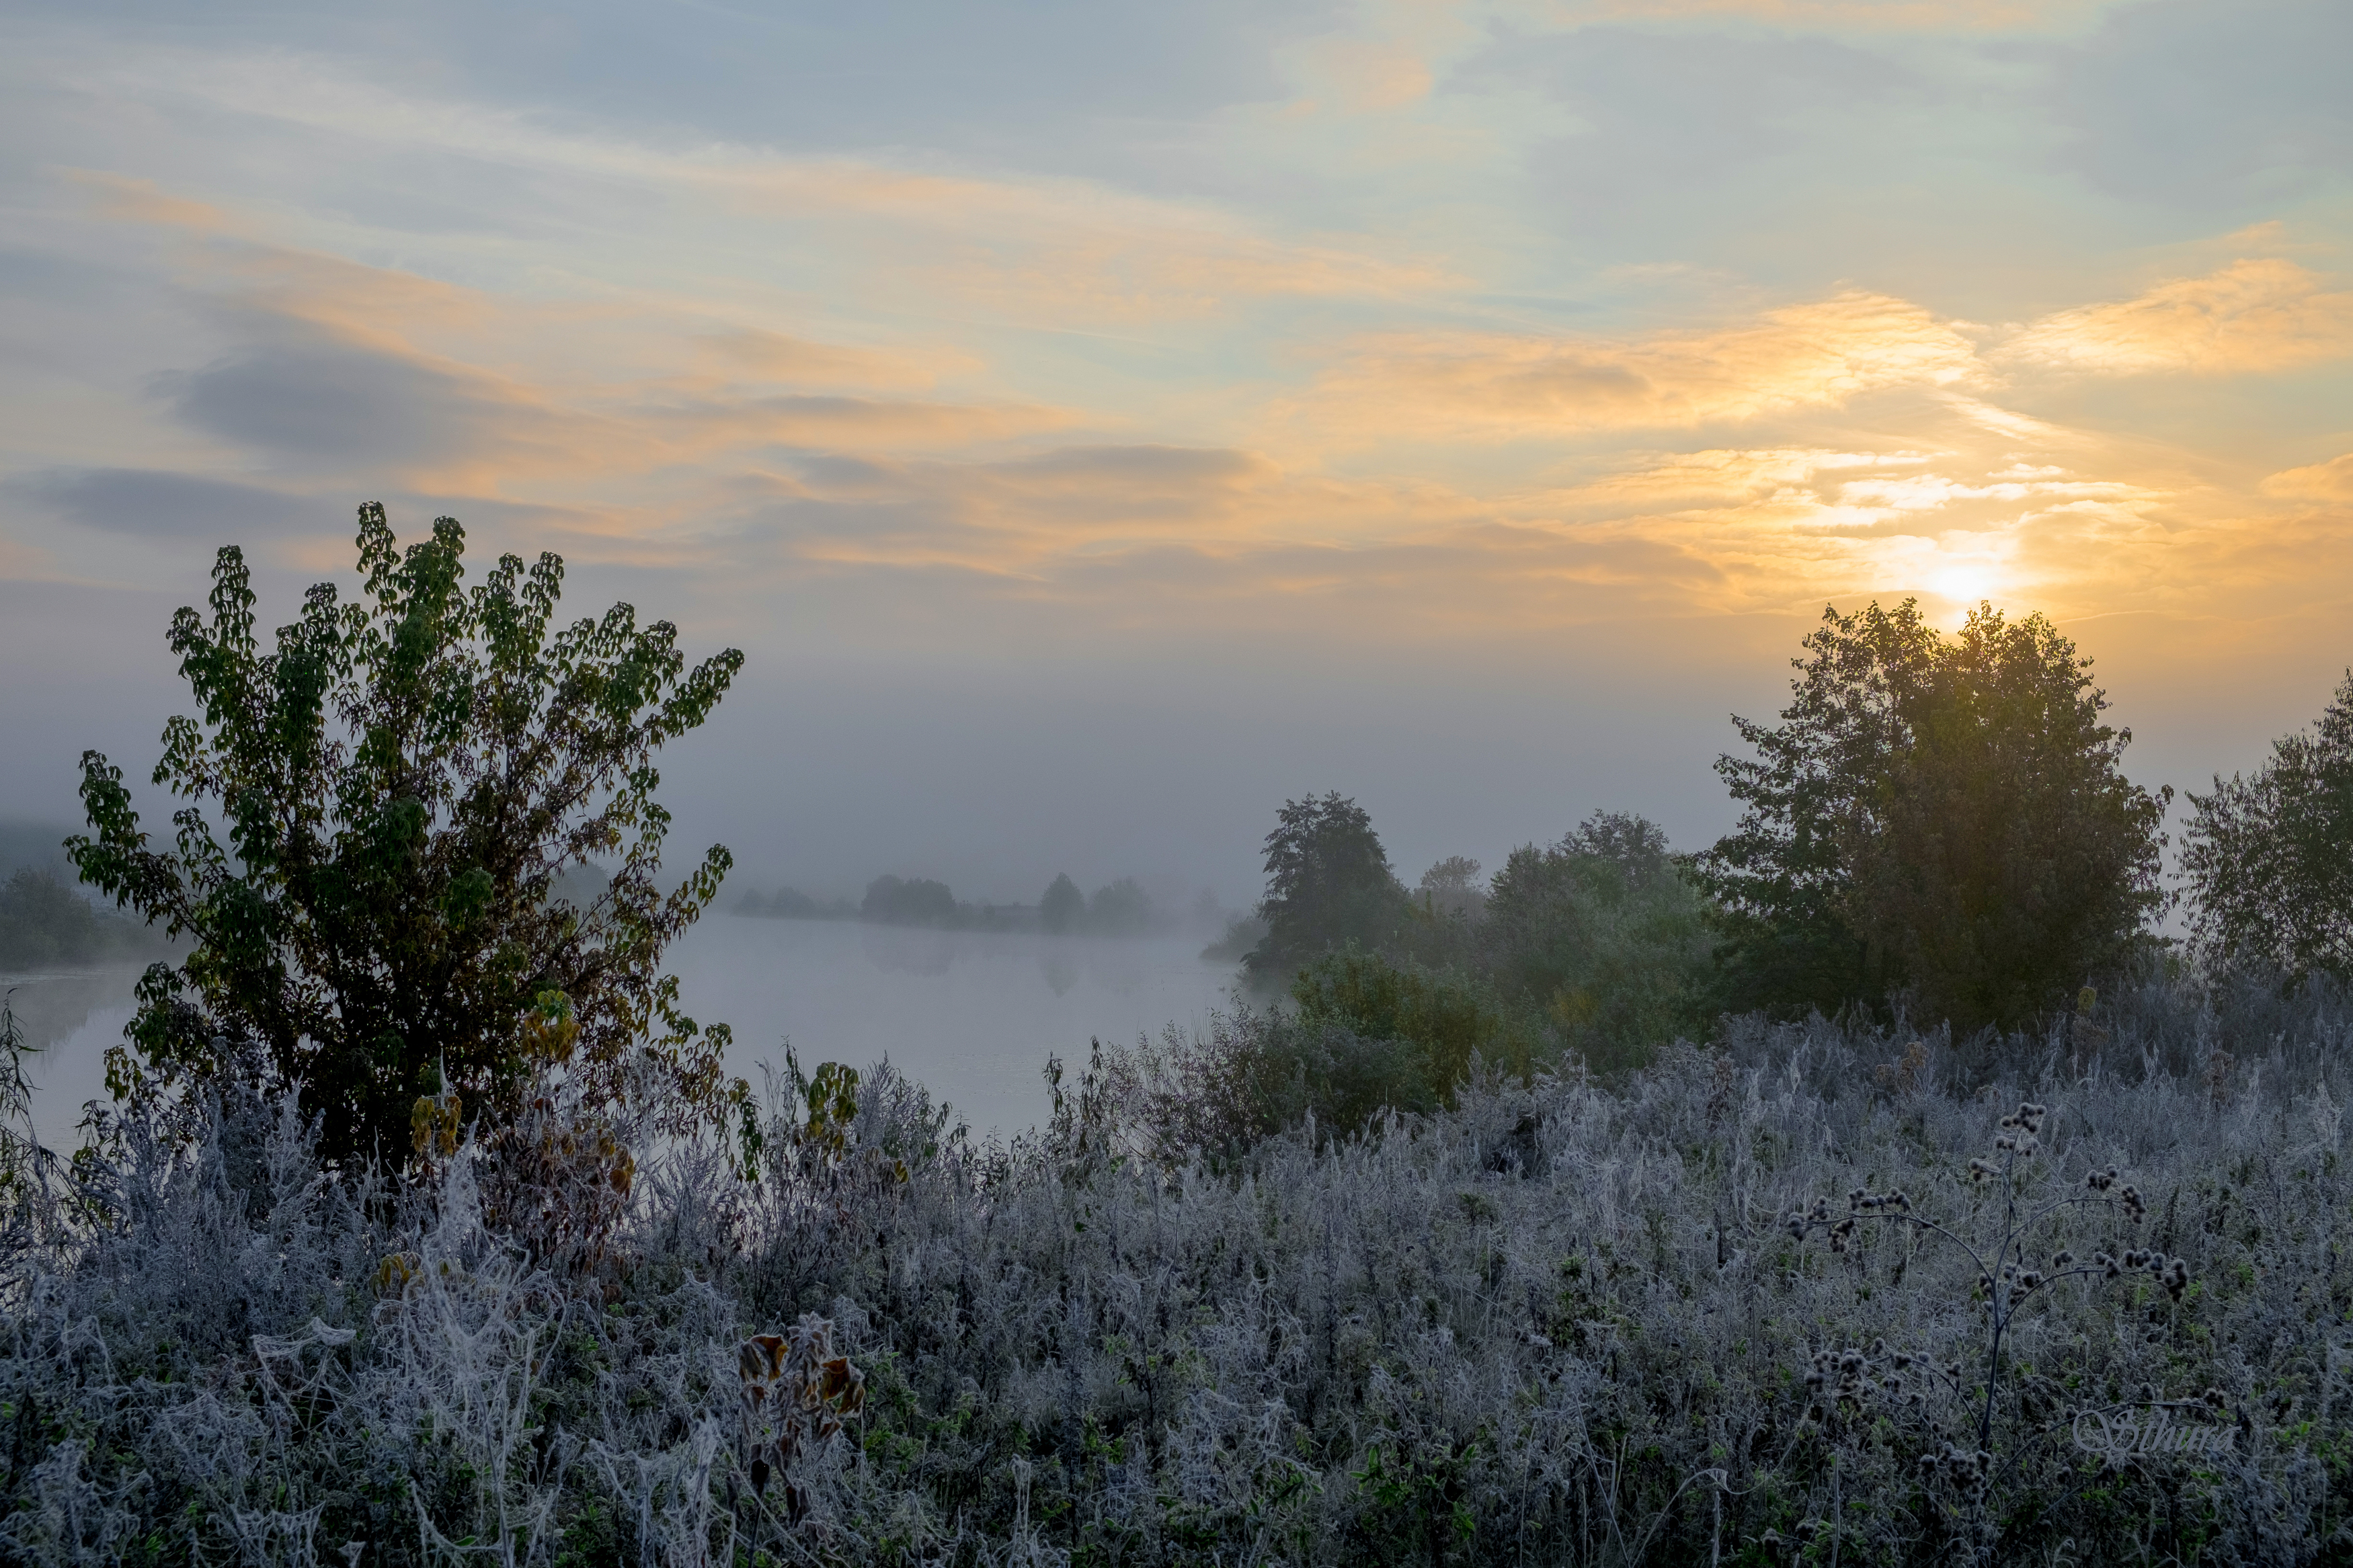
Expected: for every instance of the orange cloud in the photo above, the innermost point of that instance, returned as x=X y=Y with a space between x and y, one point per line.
x=1501 y=386
x=143 y=201
x=2251 y=316
x=799 y=361
x=2332 y=480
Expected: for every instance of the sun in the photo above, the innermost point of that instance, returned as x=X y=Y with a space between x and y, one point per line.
x=1965 y=585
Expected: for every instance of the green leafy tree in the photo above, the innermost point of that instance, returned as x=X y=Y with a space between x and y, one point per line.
x=1062 y=908
x=2269 y=859
x=1328 y=883
x=379 y=812
x=1607 y=935
x=1945 y=817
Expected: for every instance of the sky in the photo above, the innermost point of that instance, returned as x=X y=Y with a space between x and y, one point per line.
x=1098 y=422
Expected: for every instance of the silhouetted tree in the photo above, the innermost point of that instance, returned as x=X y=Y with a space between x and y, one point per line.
x=1061 y=908
x=1121 y=907
x=1328 y=883
x=915 y=901
x=1948 y=816
x=2270 y=858
x=379 y=812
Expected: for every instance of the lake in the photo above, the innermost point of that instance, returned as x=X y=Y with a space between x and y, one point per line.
x=971 y=1015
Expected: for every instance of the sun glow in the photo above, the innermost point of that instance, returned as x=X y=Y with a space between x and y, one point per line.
x=1965 y=585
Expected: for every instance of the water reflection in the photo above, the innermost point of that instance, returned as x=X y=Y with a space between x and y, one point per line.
x=973 y=1015
x=70 y=1018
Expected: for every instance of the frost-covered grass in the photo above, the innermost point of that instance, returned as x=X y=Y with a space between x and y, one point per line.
x=1558 y=1322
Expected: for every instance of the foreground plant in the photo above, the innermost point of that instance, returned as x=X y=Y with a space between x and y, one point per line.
x=2012 y=1269
x=380 y=814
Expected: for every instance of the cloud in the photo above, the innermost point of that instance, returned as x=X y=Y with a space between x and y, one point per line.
x=312 y=399
x=143 y=201
x=1853 y=15
x=2251 y=316
x=157 y=504
x=1729 y=473
x=331 y=367
x=2332 y=480
x=1501 y=386
x=1061 y=248
x=778 y=356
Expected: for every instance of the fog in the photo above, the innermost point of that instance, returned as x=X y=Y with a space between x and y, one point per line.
x=973 y=1015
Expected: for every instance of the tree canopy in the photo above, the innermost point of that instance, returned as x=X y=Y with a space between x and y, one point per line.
x=1061 y=908
x=2269 y=859
x=1328 y=883
x=1945 y=817
x=1604 y=934
x=378 y=811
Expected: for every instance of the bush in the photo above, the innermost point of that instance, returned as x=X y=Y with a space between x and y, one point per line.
x=1449 y=1018
x=379 y=815
x=920 y=901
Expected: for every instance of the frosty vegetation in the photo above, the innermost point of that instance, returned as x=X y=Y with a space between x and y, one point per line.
x=1621 y=1209
x=1556 y=1323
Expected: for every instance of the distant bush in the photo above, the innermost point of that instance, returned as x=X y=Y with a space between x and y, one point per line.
x=43 y=922
x=900 y=901
x=792 y=904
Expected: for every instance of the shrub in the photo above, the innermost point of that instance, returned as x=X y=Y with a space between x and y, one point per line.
x=1449 y=1019
x=379 y=813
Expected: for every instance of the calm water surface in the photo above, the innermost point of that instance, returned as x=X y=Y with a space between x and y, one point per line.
x=971 y=1015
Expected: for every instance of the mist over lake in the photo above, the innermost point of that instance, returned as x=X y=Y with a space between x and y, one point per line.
x=971 y=1015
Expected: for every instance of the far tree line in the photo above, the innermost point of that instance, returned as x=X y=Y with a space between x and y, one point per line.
x=1936 y=827
x=1119 y=907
